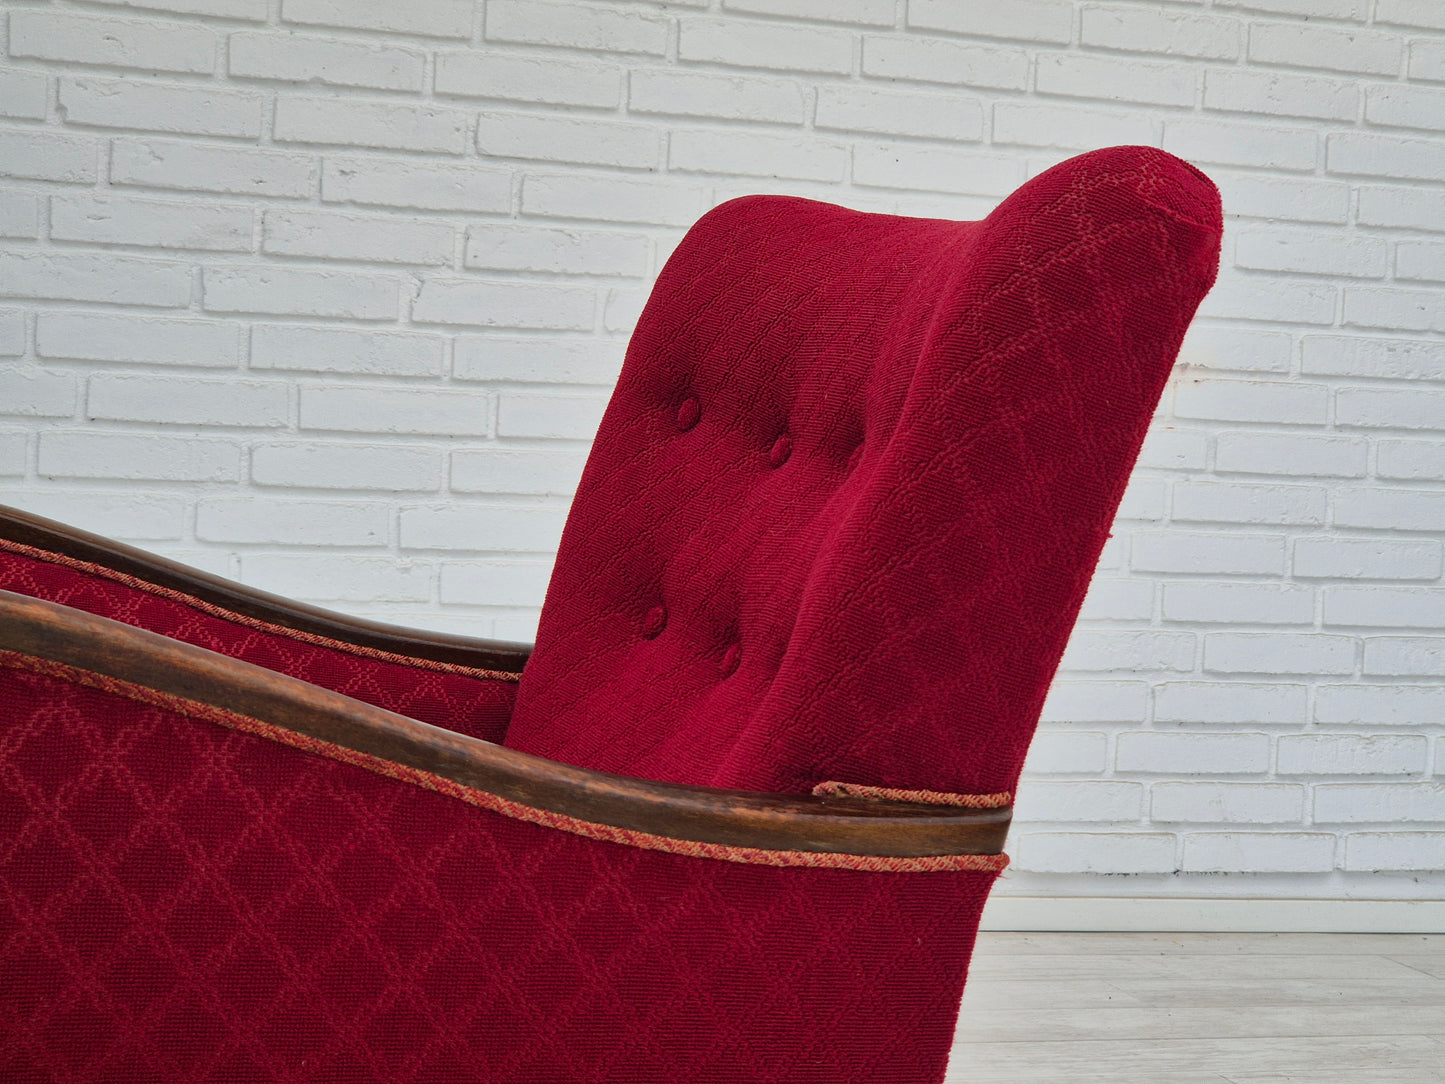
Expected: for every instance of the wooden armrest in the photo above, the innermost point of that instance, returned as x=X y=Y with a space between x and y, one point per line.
x=58 y=538
x=807 y=823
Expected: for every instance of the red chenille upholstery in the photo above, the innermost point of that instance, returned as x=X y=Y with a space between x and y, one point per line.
x=835 y=528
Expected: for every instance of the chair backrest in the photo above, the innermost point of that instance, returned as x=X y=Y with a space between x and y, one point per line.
x=857 y=471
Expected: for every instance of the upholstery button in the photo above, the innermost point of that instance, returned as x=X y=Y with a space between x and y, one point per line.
x=731 y=657
x=782 y=448
x=654 y=622
x=688 y=414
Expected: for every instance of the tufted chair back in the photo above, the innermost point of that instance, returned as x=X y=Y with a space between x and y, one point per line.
x=857 y=471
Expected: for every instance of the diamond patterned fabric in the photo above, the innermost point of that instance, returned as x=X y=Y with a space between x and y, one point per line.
x=180 y=901
x=847 y=497
x=464 y=702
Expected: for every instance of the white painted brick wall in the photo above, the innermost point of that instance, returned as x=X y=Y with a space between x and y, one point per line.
x=327 y=295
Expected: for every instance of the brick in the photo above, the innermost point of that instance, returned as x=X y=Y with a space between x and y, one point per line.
x=755 y=155
x=265 y=520
x=1379 y=705
x=1227 y=803
x=547 y=361
x=1230 y=702
x=1406 y=106
x=306 y=58
x=1390 y=359
x=1252 y=401
x=433 y=18
x=195 y=109
x=937 y=60
x=1129 y=651
x=1083 y=801
x=1298 y=44
x=528 y=528
x=1144 y=499
x=215 y=227
x=338 y=578
x=1424 y=260
x=566 y=139
x=1192 y=754
x=138 y=456
x=1288 y=199
x=338 y=350
x=610 y=199
x=1389 y=509
x=12 y=333
x=1412 y=459
x=1175 y=449
x=865 y=12
x=1229 y=143
x=1053 y=125
x=1259 y=852
x=1239 y=349
x=1351 y=754
x=575 y=252
x=444 y=412
x=472 y=303
x=1254 y=297
x=577 y=26
x=1071 y=752
x=534 y=80
x=1239 y=603
x=495 y=583
x=1118 y=600
x=1393 y=803
x=29 y=392
x=13 y=453
x=1405 y=656
x=1373 y=852
x=1076 y=702
x=159 y=163
x=133 y=515
x=1033 y=21
x=515 y=628
x=1394 y=308
x=116 y=280
x=1385 y=607
x=1221 y=502
x=1384 y=156
x=293 y=291
x=114 y=337
x=564 y=417
x=254 y=10
x=19 y=215
x=1427 y=60
x=1278 y=653
x=1366 y=559
x=729 y=97
x=1325 y=9
x=937 y=169
x=346 y=465
x=23 y=95
x=864 y=109
x=1316 y=252
x=387 y=125
x=421 y=185
x=328 y=235
x=1389 y=408
x=1179 y=551
x=40 y=156
x=507 y=470
x=187 y=401
x=1079 y=76
x=1290 y=454
x=766 y=45
x=151 y=45
x=1421 y=13
x=1149 y=30
x=1081 y=852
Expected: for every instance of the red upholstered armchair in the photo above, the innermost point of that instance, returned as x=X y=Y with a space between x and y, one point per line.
x=736 y=818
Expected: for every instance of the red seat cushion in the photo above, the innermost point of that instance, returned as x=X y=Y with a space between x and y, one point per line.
x=847 y=497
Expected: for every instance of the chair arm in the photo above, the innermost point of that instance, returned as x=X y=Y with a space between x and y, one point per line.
x=44 y=534
x=559 y=795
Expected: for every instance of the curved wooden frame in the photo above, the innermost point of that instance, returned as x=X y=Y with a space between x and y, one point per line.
x=59 y=538
x=806 y=823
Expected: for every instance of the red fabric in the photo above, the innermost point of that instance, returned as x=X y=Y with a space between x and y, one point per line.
x=462 y=702
x=846 y=500
x=184 y=902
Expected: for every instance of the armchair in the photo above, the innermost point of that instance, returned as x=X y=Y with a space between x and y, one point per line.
x=737 y=815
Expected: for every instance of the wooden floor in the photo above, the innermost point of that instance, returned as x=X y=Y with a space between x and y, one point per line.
x=1195 y=1008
